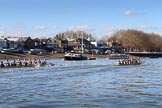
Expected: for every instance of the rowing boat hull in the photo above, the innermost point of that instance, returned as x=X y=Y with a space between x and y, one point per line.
x=118 y=64
x=34 y=65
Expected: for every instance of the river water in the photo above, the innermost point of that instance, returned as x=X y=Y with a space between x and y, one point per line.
x=81 y=84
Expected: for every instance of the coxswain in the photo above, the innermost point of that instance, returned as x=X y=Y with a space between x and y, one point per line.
x=2 y=64
x=120 y=61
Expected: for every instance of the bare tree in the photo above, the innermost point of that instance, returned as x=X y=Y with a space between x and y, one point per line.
x=134 y=40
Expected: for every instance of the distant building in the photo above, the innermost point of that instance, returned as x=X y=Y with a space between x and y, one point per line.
x=1 y=43
x=114 y=44
x=28 y=43
x=37 y=43
x=4 y=43
x=51 y=44
x=13 y=42
x=86 y=44
x=62 y=45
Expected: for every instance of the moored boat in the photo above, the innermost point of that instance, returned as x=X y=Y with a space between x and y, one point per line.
x=118 y=56
x=146 y=54
x=74 y=56
x=92 y=58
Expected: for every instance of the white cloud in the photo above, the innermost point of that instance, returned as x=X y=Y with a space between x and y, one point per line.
x=40 y=27
x=111 y=30
x=17 y=30
x=149 y=27
x=160 y=33
x=129 y=13
x=1 y=33
x=2 y=30
x=81 y=28
x=54 y=28
x=18 y=27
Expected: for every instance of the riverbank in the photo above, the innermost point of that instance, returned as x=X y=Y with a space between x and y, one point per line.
x=37 y=56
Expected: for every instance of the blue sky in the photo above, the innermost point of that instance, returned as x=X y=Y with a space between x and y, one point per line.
x=99 y=17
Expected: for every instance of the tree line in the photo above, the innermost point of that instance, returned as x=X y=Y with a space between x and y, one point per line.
x=134 y=40
x=73 y=35
x=130 y=40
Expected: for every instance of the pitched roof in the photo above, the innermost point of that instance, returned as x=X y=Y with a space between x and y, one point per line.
x=36 y=39
x=13 y=38
x=25 y=38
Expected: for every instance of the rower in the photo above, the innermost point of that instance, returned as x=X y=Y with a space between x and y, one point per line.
x=19 y=63
x=138 y=60
x=44 y=61
x=25 y=62
x=35 y=61
x=30 y=62
x=7 y=64
x=13 y=63
x=39 y=61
